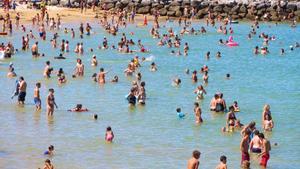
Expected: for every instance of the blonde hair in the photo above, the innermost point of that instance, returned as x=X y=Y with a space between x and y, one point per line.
x=266 y=107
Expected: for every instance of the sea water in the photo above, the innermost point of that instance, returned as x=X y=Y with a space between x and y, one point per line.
x=151 y=136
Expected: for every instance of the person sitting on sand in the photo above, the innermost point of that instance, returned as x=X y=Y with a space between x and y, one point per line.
x=109 y=135
x=49 y=151
x=78 y=108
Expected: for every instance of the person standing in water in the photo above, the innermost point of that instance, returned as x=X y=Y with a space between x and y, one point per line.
x=193 y=162
x=223 y=161
x=109 y=135
x=79 y=69
x=266 y=148
x=244 y=147
x=35 y=50
x=22 y=90
x=101 y=76
x=37 y=99
x=50 y=102
x=198 y=112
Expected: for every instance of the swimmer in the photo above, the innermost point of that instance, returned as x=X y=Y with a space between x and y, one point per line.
x=238 y=124
x=109 y=135
x=246 y=165
x=60 y=56
x=227 y=76
x=187 y=71
x=94 y=77
x=47 y=70
x=268 y=123
x=194 y=76
x=49 y=151
x=78 y=108
x=37 y=99
x=218 y=55
x=22 y=90
x=236 y=106
x=177 y=81
x=101 y=76
x=141 y=93
x=11 y=72
x=95 y=116
x=153 y=67
x=244 y=147
x=266 y=148
x=193 y=162
x=179 y=113
x=223 y=161
x=205 y=77
x=200 y=91
x=115 y=79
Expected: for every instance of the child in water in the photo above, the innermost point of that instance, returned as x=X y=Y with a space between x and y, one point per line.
x=109 y=135
x=49 y=151
x=236 y=106
x=179 y=113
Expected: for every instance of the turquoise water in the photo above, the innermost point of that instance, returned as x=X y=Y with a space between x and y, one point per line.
x=152 y=136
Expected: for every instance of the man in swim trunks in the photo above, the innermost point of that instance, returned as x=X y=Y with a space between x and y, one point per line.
x=50 y=102
x=266 y=148
x=34 y=50
x=223 y=161
x=255 y=144
x=37 y=99
x=193 y=162
x=22 y=90
x=244 y=146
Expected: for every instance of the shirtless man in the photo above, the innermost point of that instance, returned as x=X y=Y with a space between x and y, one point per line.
x=22 y=90
x=48 y=165
x=193 y=162
x=34 y=50
x=37 y=99
x=223 y=161
x=266 y=148
x=255 y=144
x=198 y=112
x=244 y=146
x=50 y=102
x=101 y=76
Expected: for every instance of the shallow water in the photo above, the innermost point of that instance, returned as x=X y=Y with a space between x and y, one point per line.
x=152 y=136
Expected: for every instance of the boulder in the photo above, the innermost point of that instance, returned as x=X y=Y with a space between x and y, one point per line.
x=110 y=6
x=125 y=2
x=163 y=11
x=261 y=6
x=201 y=13
x=171 y=13
x=178 y=13
x=65 y=3
x=144 y=10
x=53 y=2
x=226 y=9
x=175 y=3
x=235 y=17
x=174 y=8
x=145 y=3
x=235 y=8
x=243 y=9
x=218 y=8
x=291 y=6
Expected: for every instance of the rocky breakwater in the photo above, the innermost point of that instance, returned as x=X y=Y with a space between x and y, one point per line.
x=262 y=10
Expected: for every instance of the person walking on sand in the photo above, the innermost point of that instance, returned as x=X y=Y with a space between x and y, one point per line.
x=50 y=102
x=193 y=162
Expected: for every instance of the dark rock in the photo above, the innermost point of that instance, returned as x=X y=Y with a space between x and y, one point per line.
x=261 y=6
x=175 y=3
x=235 y=8
x=144 y=10
x=292 y=6
x=234 y=17
x=201 y=13
x=260 y=12
x=218 y=8
x=125 y=2
x=250 y=16
x=243 y=9
x=171 y=13
x=226 y=9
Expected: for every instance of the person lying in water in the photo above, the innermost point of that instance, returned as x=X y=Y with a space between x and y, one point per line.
x=78 y=108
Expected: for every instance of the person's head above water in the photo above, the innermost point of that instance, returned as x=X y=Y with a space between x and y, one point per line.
x=196 y=154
